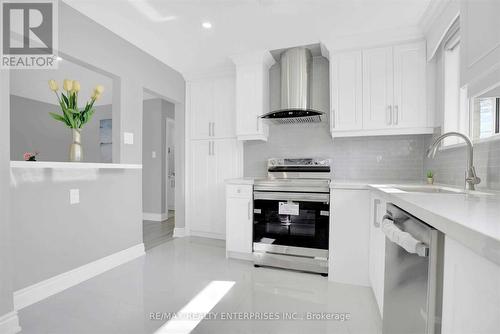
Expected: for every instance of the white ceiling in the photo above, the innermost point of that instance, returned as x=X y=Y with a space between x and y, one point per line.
x=33 y=84
x=171 y=31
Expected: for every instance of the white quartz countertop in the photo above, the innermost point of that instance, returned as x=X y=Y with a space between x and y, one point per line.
x=71 y=165
x=472 y=219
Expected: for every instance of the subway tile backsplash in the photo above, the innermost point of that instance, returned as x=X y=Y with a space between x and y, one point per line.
x=449 y=165
x=357 y=158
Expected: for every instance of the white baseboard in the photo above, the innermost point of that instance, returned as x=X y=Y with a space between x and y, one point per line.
x=157 y=217
x=179 y=232
x=239 y=255
x=9 y=323
x=41 y=290
x=210 y=235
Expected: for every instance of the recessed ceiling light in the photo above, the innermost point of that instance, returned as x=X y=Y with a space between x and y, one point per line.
x=59 y=58
x=206 y=25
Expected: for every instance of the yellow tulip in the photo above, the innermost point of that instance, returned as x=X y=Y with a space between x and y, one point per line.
x=76 y=86
x=53 y=85
x=99 y=89
x=96 y=96
x=68 y=85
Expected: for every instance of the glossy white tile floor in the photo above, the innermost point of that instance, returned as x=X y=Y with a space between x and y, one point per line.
x=170 y=275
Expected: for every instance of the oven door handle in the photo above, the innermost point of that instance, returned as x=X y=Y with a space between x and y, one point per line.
x=299 y=197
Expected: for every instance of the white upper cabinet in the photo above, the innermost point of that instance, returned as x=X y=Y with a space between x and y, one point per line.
x=480 y=38
x=409 y=107
x=200 y=101
x=377 y=88
x=212 y=107
x=224 y=102
x=252 y=94
x=346 y=80
x=379 y=91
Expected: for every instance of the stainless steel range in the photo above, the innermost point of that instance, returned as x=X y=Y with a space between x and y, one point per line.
x=291 y=215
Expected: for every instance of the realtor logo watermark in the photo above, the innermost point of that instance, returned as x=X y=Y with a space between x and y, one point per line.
x=29 y=34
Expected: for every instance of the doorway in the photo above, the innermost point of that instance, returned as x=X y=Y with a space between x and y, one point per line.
x=158 y=173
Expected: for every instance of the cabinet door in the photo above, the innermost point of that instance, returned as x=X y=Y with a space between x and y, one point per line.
x=224 y=118
x=200 y=94
x=377 y=88
x=347 y=94
x=409 y=109
x=349 y=237
x=480 y=38
x=202 y=186
x=227 y=155
x=377 y=250
x=471 y=291
x=248 y=95
x=239 y=224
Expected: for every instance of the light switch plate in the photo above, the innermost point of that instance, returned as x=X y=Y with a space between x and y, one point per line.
x=74 y=196
x=153 y=154
x=128 y=138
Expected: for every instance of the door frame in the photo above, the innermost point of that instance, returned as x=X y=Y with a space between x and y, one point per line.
x=168 y=121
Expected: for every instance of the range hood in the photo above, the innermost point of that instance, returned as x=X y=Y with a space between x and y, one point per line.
x=296 y=89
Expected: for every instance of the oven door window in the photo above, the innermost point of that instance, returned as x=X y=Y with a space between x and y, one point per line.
x=291 y=223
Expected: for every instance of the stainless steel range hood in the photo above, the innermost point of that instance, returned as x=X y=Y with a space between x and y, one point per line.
x=296 y=89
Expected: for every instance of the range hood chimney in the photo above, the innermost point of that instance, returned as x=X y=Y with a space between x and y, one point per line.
x=296 y=89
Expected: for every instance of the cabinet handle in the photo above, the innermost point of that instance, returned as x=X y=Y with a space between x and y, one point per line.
x=396 y=114
x=213 y=129
x=389 y=115
x=209 y=148
x=249 y=214
x=210 y=129
x=376 y=203
x=213 y=148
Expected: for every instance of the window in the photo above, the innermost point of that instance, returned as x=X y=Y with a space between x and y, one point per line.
x=455 y=99
x=487 y=114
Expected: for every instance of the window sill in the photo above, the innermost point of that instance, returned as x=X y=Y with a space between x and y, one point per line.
x=493 y=138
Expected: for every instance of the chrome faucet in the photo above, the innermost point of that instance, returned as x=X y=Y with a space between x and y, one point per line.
x=471 y=178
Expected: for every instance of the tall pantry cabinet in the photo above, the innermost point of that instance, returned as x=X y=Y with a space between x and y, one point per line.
x=213 y=152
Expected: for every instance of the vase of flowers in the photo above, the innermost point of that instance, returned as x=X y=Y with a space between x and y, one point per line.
x=72 y=116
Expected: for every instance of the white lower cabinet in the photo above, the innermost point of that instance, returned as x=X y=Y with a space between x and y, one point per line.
x=211 y=163
x=239 y=222
x=349 y=236
x=471 y=292
x=377 y=250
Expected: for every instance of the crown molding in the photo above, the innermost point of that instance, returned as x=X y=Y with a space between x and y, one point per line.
x=432 y=13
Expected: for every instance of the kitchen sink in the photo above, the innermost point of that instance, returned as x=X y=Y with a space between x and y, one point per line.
x=430 y=189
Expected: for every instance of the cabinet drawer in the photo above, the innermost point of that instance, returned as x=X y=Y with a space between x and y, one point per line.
x=239 y=190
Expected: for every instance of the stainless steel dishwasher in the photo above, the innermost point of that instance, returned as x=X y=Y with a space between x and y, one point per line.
x=413 y=274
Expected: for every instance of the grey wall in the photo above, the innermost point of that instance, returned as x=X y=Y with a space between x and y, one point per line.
x=133 y=70
x=6 y=273
x=32 y=129
x=154 y=176
x=50 y=236
x=390 y=157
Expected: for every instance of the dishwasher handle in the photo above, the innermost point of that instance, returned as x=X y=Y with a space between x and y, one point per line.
x=402 y=238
